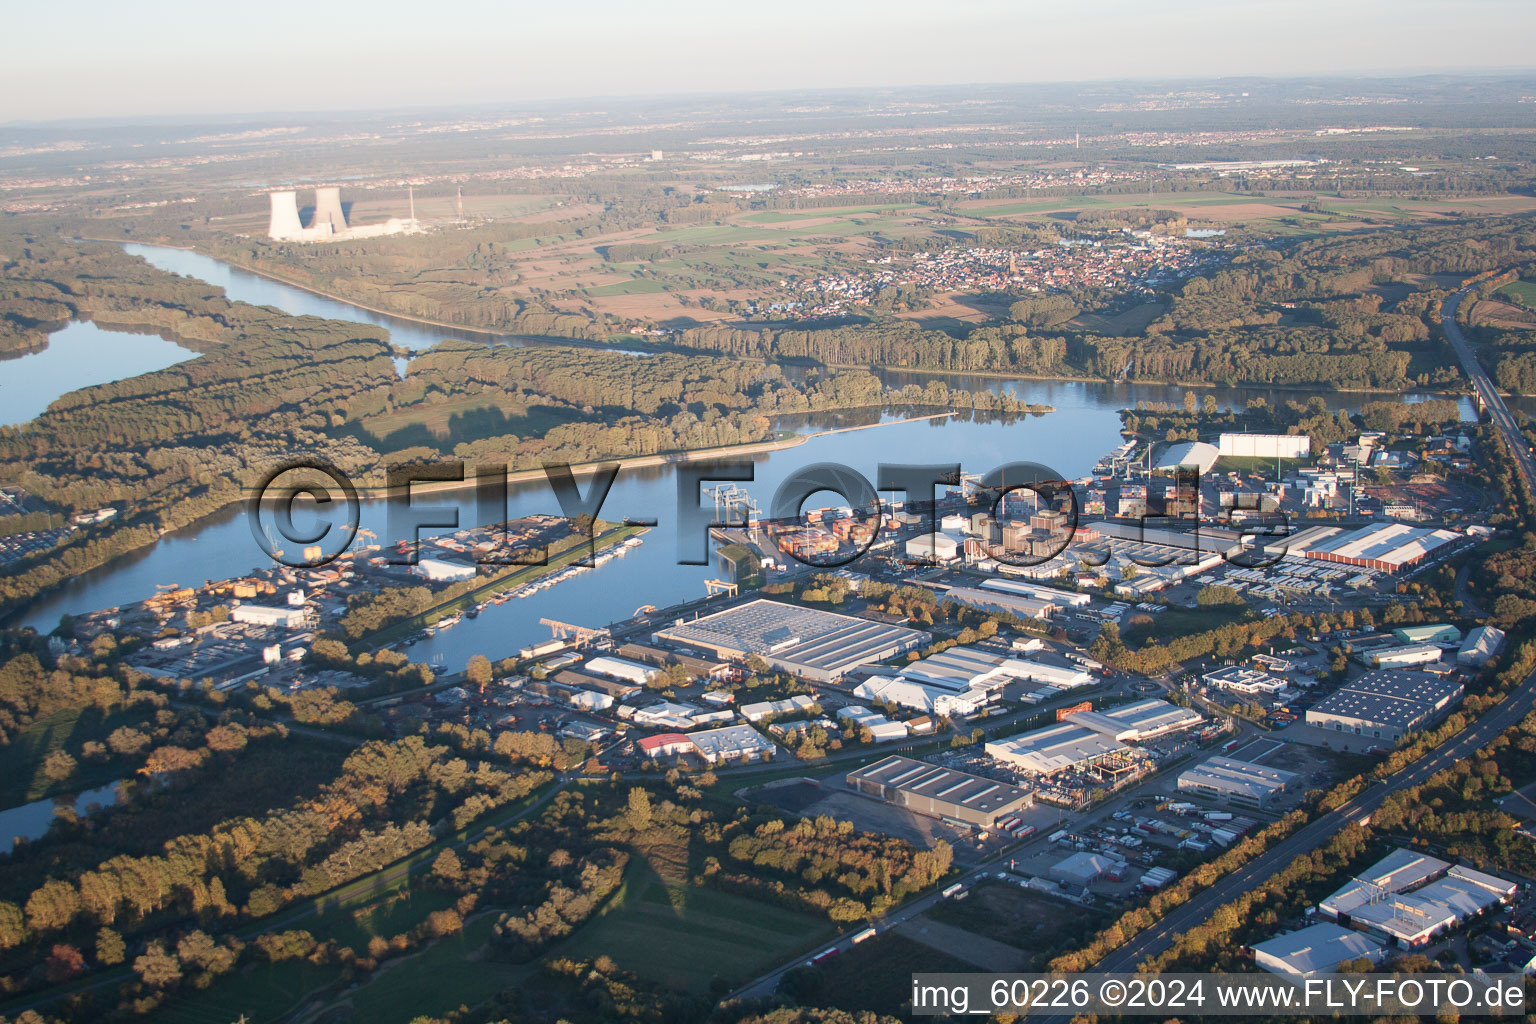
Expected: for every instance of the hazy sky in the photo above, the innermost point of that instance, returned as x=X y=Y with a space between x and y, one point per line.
x=94 y=58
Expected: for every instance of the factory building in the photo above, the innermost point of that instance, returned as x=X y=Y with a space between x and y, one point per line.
x=1199 y=454
x=1054 y=749
x=933 y=547
x=1080 y=870
x=817 y=645
x=938 y=792
x=1139 y=721
x=1400 y=657
x=765 y=709
x=667 y=744
x=1385 y=704
x=1409 y=898
x=1437 y=633
x=1318 y=949
x=621 y=669
x=1050 y=595
x=328 y=223
x=903 y=692
x=1265 y=446
x=733 y=743
x=1384 y=547
x=1017 y=605
x=1240 y=783
x=286 y=617
x=1398 y=871
x=1482 y=644
x=439 y=571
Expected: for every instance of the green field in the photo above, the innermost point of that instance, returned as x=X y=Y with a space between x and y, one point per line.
x=1524 y=291
x=783 y=216
x=21 y=760
x=683 y=936
x=642 y=286
x=1254 y=464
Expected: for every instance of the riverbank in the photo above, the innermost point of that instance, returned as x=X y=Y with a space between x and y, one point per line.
x=642 y=344
x=1152 y=382
x=377 y=490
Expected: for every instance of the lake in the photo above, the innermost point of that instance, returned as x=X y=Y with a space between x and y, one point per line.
x=32 y=821
x=78 y=356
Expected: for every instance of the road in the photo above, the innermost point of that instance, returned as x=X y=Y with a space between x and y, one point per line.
x=1489 y=396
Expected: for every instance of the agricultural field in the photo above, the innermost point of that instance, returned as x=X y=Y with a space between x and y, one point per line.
x=1037 y=924
x=685 y=936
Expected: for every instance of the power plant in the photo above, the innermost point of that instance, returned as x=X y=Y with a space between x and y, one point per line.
x=329 y=223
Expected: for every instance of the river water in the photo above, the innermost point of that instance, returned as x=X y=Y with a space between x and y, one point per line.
x=79 y=355
x=31 y=821
x=1070 y=440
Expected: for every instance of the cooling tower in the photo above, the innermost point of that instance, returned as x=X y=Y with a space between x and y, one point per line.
x=285 y=216
x=329 y=218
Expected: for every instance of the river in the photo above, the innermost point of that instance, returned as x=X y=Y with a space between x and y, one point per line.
x=1070 y=440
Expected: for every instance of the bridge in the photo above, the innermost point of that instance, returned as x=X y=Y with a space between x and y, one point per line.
x=580 y=635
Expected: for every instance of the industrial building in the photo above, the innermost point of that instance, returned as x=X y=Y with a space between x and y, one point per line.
x=732 y=743
x=1241 y=783
x=288 y=617
x=328 y=223
x=939 y=792
x=1318 y=949
x=621 y=669
x=1050 y=595
x=1399 y=657
x=1398 y=871
x=1080 y=870
x=1244 y=680
x=1385 y=704
x=1054 y=749
x=1482 y=644
x=667 y=744
x=1436 y=633
x=1199 y=454
x=1265 y=446
x=1139 y=721
x=817 y=645
x=440 y=571
x=1409 y=898
x=1384 y=547
x=903 y=692
x=933 y=547
x=764 y=709
x=1017 y=605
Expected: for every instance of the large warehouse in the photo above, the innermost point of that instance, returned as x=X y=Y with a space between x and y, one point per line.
x=1265 y=446
x=1408 y=898
x=1056 y=748
x=1018 y=605
x=814 y=644
x=1139 y=721
x=1385 y=704
x=1385 y=547
x=938 y=792
x=1482 y=643
x=1241 y=783
x=1318 y=949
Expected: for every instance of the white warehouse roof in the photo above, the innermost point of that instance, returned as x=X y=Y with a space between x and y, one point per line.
x=1318 y=949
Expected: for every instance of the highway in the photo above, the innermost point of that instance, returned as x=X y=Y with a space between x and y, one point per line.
x=1487 y=394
